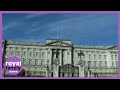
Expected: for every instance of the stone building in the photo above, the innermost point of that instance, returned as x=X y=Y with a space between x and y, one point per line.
x=61 y=58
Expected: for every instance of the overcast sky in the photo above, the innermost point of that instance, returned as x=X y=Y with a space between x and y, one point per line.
x=85 y=29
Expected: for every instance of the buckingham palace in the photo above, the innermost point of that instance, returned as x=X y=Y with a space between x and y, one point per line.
x=62 y=58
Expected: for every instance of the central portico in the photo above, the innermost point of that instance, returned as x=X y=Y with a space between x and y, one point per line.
x=61 y=54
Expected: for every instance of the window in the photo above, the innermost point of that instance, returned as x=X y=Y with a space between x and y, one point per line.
x=24 y=60
x=12 y=53
x=30 y=62
x=30 y=54
x=89 y=56
x=112 y=64
x=42 y=54
x=95 y=62
x=68 y=53
x=116 y=64
x=42 y=62
x=24 y=54
x=105 y=63
x=94 y=56
x=18 y=53
x=47 y=61
x=105 y=57
x=36 y=62
x=78 y=56
x=89 y=63
x=7 y=52
x=115 y=57
x=100 y=57
x=100 y=64
x=84 y=56
x=37 y=54
x=64 y=55
x=112 y=57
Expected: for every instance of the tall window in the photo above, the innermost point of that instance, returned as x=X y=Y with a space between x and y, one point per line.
x=115 y=57
x=89 y=63
x=94 y=56
x=24 y=60
x=89 y=56
x=64 y=55
x=105 y=57
x=84 y=56
x=30 y=62
x=18 y=53
x=78 y=56
x=7 y=52
x=47 y=61
x=37 y=54
x=24 y=54
x=100 y=57
x=43 y=54
x=30 y=54
x=112 y=57
x=42 y=62
x=105 y=63
x=95 y=62
x=100 y=64
x=36 y=62
x=116 y=63
x=12 y=53
x=112 y=64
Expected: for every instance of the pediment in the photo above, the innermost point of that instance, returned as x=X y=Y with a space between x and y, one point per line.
x=58 y=43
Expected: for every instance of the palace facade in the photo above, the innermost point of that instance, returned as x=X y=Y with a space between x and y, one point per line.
x=61 y=58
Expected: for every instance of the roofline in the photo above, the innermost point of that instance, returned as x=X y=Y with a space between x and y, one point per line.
x=58 y=39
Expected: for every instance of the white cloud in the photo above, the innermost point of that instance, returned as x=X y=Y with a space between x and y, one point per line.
x=33 y=15
x=10 y=25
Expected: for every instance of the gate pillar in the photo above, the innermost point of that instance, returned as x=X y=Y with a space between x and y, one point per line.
x=81 y=71
x=55 y=71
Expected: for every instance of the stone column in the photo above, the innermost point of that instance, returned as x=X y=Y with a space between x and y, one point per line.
x=50 y=56
x=60 y=57
x=65 y=57
x=108 y=59
x=52 y=62
x=21 y=52
x=33 y=60
x=62 y=62
x=46 y=55
x=27 y=56
x=39 y=56
x=69 y=56
x=69 y=60
x=55 y=54
x=16 y=51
